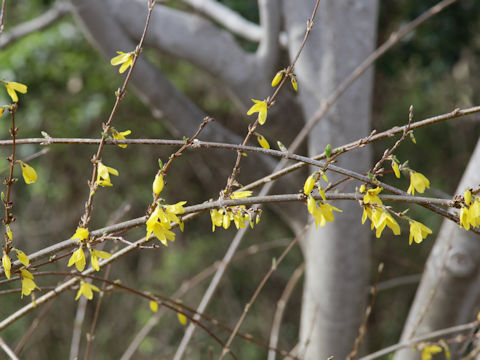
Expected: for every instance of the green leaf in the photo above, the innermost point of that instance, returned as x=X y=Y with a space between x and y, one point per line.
x=328 y=150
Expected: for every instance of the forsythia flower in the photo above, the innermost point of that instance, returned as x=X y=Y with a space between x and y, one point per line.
x=22 y=257
x=309 y=184
x=29 y=173
x=430 y=350
x=263 y=142
x=158 y=184
x=120 y=136
x=371 y=196
x=216 y=217
x=103 y=175
x=9 y=233
x=293 y=80
x=95 y=254
x=78 y=258
x=396 y=169
x=240 y=194
x=417 y=182
x=418 y=232
x=86 y=290
x=380 y=219
x=126 y=59
x=322 y=213
x=7 y=264
x=171 y=211
x=12 y=87
x=261 y=108
x=28 y=285
x=159 y=224
x=80 y=234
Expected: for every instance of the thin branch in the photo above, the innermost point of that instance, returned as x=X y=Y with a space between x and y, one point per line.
x=280 y=309
x=7 y=350
x=231 y=20
x=58 y=10
x=2 y=16
x=356 y=73
x=419 y=339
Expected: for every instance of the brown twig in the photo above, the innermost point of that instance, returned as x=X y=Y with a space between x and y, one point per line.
x=368 y=311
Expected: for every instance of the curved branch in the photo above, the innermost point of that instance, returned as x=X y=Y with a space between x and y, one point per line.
x=58 y=10
x=232 y=21
x=195 y=39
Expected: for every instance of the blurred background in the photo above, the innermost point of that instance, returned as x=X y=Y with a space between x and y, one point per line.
x=71 y=92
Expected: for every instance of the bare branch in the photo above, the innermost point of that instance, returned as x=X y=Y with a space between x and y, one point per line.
x=231 y=20
x=8 y=350
x=58 y=10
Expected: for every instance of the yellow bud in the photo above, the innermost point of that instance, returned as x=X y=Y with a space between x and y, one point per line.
x=293 y=80
x=309 y=184
x=22 y=257
x=153 y=306
x=158 y=184
x=362 y=188
x=467 y=195
x=7 y=265
x=29 y=174
x=263 y=142
x=182 y=319
x=277 y=78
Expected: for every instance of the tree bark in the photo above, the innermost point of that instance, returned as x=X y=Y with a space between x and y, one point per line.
x=452 y=274
x=337 y=255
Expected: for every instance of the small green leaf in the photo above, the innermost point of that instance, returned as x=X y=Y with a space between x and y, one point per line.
x=412 y=137
x=160 y=163
x=281 y=146
x=3 y=196
x=328 y=150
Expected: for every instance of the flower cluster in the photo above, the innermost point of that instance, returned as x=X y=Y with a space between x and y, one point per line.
x=160 y=221
x=380 y=218
x=470 y=213
x=240 y=215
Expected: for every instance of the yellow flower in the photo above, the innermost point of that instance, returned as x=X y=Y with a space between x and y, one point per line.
x=12 y=87
x=7 y=264
x=309 y=184
x=77 y=258
x=120 y=136
x=216 y=217
x=322 y=213
x=240 y=218
x=240 y=194
x=263 y=142
x=158 y=184
x=29 y=173
x=227 y=218
x=22 y=257
x=261 y=108
x=474 y=213
x=171 y=211
x=95 y=254
x=153 y=306
x=380 y=219
x=430 y=350
x=367 y=212
x=126 y=59
x=159 y=224
x=418 y=232
x=362 y=188
x=28 y=285
x=86 y=290
x=103 y=175
x=417 y=182
x=465 y=218
x=371 y=196
x=80 y=234
x=277 y=78
x=396 y=169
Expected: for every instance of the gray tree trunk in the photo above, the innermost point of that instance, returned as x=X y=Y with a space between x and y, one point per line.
x=456 y=299
x=337 y=255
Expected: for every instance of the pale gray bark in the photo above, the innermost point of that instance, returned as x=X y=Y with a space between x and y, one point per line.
x=337 y=255
x=458 y=294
